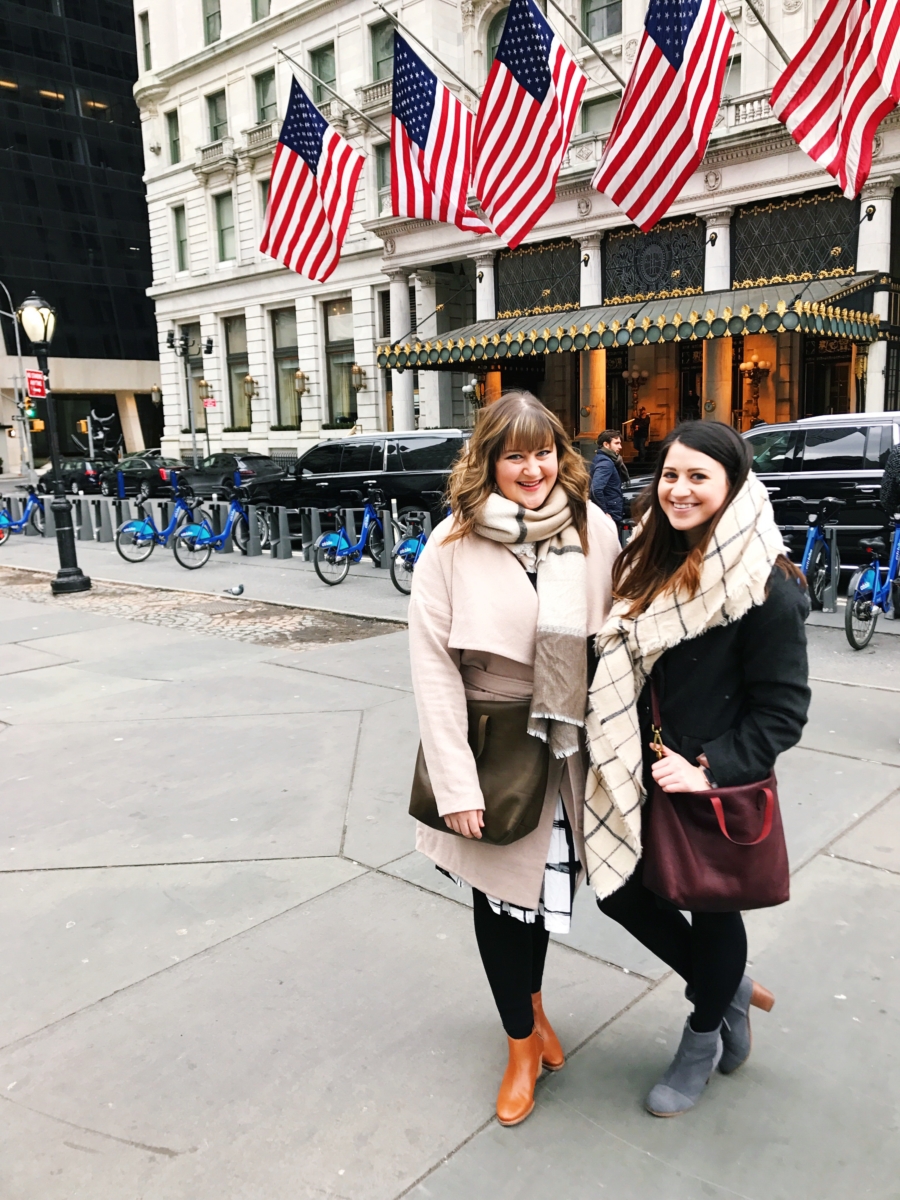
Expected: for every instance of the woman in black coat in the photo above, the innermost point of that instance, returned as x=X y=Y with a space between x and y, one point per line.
x=733 y=695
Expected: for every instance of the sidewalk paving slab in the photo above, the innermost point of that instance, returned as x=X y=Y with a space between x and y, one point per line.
x=338 y=1050
x=813 y=1114
x=875 y=841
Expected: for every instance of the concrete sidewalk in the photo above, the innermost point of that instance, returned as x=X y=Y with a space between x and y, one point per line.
x=230 y=977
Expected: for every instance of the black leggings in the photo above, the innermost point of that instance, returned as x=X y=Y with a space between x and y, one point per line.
x=513 y=954
x=709 y=952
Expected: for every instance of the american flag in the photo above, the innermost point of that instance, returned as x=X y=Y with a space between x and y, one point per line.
x=845 y=80
x=431 y=146
x=663 y=124
x=524 y=123
x=311 y=190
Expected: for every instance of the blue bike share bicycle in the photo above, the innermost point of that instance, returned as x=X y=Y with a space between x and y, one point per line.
x=821 y=561
x=195 y=542
x=406 y=553
x=874 y=589
x=33 y=512
x=136 y=540
x=334 y=552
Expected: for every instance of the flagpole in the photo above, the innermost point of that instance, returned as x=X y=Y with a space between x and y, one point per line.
x=568 y=20
x=427 y=48
x=329 y=88
x=768 y=32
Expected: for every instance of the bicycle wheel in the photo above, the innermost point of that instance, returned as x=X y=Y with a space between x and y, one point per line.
x=37 y=520
x=375 y=545
x=189 y=551
x=402 y=573
x=331 y=568
x=135 y=541
x=859 y=619
x=4 y=531
x=818 y=576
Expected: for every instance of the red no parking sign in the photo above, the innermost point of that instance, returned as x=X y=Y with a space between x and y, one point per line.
x=36 y=385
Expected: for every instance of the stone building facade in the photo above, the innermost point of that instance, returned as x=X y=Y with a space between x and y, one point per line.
x=757 y=221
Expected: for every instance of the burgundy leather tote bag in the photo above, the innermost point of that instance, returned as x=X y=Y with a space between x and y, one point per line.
x=720 y=850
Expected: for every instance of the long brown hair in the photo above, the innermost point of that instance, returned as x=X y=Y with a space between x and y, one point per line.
x=517 y=421
x=658 y=559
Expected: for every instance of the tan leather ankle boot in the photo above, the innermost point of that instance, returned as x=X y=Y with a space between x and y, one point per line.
x=553 y=1057
x=515 y=1100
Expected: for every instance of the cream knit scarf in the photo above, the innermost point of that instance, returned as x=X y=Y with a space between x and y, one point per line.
x=733 y=579
x=560 y=667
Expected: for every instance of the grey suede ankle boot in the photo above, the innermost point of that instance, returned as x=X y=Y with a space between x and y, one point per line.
x=695 y=1060
x=736 y=1036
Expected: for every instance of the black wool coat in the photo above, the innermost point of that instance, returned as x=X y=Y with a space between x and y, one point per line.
x=737 y=693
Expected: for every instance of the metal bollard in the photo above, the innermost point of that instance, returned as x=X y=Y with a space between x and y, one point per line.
x=15 y=508
x=219 y=520
x=253 y=544
x=388 y=531
x=164 y=514
x=281 y=535
x=426 y=524
x=829 y=599
x=314 y=521
x=30 y=530
x=349 y=520
x=122 y=510
x=86 y=527
x=105 y=532
x=49 y=518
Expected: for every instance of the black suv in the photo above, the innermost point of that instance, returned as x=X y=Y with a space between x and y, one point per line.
x=840 y=456
x=411 y=468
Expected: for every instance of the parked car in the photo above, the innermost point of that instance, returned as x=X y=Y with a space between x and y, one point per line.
x=78 y=475
x=411 y=468
x=840 y=455
x=145 y=474
x=259 y=474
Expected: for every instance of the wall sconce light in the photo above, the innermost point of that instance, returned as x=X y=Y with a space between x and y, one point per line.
x=250 y=388
x=754 y=371
x=868 y=214
x=203 y=389
x=712 y=239
x=474 y=391
x=480 y=277
x=300 y=383
x=357 y=377
x=207 y=349
x=635 y=380
x=585 y=259
x=156 y=394
x=155 y=148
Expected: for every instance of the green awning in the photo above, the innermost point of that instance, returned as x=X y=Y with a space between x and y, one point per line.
x=769 y=309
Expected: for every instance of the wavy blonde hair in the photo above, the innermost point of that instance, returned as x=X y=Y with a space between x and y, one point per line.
x=517 y=421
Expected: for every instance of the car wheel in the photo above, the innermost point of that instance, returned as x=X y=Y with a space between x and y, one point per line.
x=73 y=488
x=104 y=488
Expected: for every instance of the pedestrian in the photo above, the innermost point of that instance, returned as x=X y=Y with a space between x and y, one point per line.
x=504 y=597
x=640 y=432
x=608 y=476
x=708 y=613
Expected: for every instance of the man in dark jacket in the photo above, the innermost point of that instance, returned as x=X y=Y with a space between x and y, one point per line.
x=608 y=474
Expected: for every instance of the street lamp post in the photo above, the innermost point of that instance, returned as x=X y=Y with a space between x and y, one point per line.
x=182 y=347
x=38 y=320
x=21 y=398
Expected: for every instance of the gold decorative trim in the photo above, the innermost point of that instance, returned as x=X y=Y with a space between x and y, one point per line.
x=619 y=234
x=803 y=277
x=672 y=294
x=747 y=210
x=536 y=248
x=565 y=306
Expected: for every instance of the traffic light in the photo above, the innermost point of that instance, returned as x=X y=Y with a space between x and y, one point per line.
x=30 y=410
x=37 y=426
x=81 y=426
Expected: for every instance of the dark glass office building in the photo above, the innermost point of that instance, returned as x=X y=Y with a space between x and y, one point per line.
x=73 y=214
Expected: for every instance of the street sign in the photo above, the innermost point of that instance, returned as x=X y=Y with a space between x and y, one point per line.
x=36 y=385
x=210 y=403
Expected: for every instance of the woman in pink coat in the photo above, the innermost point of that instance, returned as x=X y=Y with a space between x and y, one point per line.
x=504 y=598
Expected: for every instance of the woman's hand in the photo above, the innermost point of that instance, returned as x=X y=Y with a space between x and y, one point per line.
x=469 y=823
x=675 y=774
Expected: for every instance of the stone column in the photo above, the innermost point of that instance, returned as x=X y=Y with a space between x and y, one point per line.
x=402 y=381
x=874 y=254
x=263 y=407
x=717 y=269
x=130 y=422
x=591 y=272
x=485 y=297
x=435 y=397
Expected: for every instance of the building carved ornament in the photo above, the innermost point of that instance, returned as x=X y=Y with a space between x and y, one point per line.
x=750 y=16
x=584 y=206
x=792 y=6
x=712 y=180
x=630 y=49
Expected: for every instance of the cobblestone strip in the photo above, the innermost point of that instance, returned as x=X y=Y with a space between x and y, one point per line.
x=241 y=619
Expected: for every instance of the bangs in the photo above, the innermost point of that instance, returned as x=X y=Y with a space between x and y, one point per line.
x=529 y=430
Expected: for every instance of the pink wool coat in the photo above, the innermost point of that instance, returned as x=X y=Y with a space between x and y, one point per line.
x=472 y=623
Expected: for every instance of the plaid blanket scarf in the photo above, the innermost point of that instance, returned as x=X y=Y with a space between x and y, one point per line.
x=733 y=579
x=560 y=670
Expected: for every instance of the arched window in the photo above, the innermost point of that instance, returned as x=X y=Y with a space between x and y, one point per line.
x=495 y=33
